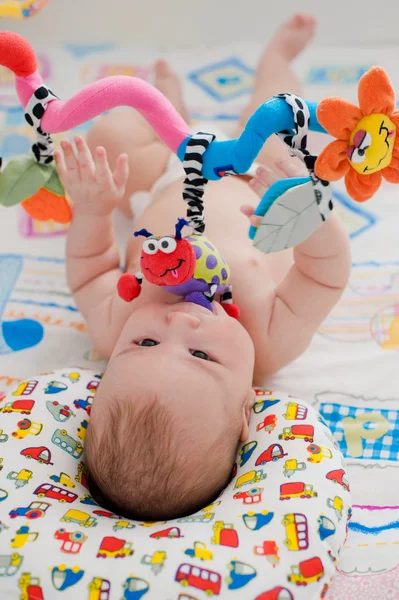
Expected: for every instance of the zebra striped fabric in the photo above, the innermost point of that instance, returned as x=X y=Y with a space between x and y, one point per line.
x=194 y=183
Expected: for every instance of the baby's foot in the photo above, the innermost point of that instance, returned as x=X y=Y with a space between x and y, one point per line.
x=167 y=82
x=293 y=36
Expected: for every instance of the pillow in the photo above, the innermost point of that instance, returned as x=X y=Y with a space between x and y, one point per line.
x=274 y=533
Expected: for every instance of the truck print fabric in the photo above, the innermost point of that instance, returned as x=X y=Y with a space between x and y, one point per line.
x=275 y=532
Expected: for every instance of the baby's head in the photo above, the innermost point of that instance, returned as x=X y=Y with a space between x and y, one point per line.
x=170 y=411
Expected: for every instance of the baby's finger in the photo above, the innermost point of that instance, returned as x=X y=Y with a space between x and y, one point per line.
x=121 y=172
x=255 y=220
x=71 y=163
x=266 y=176
x=258 y=187
x=103 y=173
x=292 y=167
x=86 y=164
x=247 y=210
x=61 y=168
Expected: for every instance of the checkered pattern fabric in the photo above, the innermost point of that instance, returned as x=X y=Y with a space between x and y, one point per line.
x=382 y=445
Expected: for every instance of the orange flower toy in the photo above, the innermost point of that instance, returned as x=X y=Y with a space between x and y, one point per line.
x=367 y=147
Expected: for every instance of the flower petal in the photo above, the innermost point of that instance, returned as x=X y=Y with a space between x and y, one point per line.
x=375 y=93
x=332 y=163
x=391 y=173
x=338 y=117
x=362 y=187
x=395 y=158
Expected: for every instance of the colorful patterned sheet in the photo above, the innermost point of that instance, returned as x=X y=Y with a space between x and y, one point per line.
x=349 y=372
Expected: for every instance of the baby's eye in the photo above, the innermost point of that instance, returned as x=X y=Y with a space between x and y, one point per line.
x=199 y=354
x=147 y=342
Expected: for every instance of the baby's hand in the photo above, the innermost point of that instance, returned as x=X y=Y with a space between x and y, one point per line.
x=91 y=185
x=264 y=179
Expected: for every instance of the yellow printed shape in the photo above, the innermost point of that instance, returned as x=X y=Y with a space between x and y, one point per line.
x=355 y=431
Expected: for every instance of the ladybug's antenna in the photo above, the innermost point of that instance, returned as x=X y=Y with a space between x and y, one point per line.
x=181 y=223
x=143 y=232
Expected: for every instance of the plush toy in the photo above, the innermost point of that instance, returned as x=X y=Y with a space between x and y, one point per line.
x=367 y=147
x=190 y=267
x=21 y=9
x=291 y=210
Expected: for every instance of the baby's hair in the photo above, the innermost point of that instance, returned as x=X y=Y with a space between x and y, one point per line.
x=141 y=466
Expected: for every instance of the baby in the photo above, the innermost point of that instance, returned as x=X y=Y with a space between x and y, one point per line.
x=176 y=397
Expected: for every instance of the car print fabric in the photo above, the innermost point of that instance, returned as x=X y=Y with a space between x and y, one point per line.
x=273 y=534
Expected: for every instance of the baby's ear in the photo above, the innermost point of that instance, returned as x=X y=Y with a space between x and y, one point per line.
x=246 y=414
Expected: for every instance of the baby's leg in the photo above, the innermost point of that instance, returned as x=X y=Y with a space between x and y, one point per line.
x=274 y=76
x=127 y=132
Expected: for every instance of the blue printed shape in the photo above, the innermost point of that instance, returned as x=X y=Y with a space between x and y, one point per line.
x=21 y=333
x=83 y=50
x=362 y=219
x=338 y=74
x=225 y=80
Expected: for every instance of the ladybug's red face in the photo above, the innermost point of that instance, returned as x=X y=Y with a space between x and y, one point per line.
x=167 y=261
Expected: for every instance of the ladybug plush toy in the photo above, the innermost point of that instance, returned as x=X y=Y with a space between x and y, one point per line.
x=190 y=267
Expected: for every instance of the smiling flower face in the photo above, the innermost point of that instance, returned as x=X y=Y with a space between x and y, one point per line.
x=371 y=144
x=367 y=146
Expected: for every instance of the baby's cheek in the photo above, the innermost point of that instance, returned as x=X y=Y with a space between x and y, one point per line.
x=236 y=342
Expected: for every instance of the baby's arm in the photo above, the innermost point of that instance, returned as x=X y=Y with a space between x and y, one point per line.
x=312 y=287
x=92 y=258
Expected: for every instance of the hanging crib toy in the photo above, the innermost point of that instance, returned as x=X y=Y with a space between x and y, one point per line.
x=365 y=151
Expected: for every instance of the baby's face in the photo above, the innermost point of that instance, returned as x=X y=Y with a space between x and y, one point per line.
x=174 y=348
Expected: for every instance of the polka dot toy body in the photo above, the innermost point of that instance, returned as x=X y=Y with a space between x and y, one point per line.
x=211 y=273
x=274 y=533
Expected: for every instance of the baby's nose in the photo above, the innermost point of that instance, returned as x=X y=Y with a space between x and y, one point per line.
x=177 y=317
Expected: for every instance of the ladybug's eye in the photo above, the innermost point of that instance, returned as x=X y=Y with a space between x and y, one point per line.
x=167 y=244
x=151 y=246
